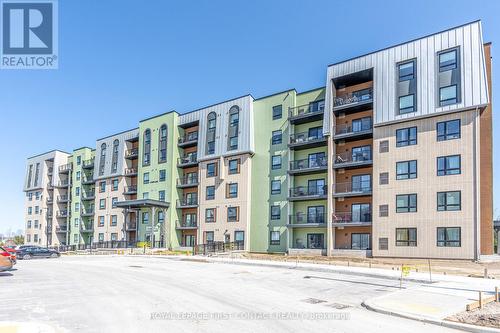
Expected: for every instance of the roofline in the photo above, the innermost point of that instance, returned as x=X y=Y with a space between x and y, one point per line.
x=48 y=152
x=158 y=115
x=308 y=91
x=209 y=106
x=275 y=94
x=109 y=136
x=409 y=41
x=84 y=147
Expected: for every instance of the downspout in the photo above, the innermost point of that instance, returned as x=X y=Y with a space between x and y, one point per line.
x=475 y=188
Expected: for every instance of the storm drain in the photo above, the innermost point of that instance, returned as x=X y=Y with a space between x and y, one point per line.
x=338 y=306
x=133 y=266
x=313 y=300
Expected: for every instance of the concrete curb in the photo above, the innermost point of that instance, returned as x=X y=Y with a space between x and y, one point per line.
x=449 y=324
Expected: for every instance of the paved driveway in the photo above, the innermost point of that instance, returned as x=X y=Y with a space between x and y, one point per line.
x=143 y=294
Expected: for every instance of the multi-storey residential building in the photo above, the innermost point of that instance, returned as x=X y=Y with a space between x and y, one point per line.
x=392 y=158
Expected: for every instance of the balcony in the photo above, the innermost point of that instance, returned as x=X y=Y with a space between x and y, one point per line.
x=50 y=171
x=48 y=229
x=131 y=226
x=303 y=220
x=88 y=181
x=65 y=168
x=353 y=159
x=50 y=200
x=356 y=131
x=132 y=154
x=49 y=215
x=349 y=219
x=187 y=181
x=353 y=189
x=306 y=140
x=188 y=202
x=88 y=164
x=62 y=214
x=302 y=193
x=308 y=166
x=130 y=172
x=87 y=212
x=186 y=225
x=87 y=196
x=188 y=140
x=129 y=190
x=305 y=113
x=86 y=227
x=187 y=160
x=62 y=198
x=62 y=184
x=353 y=102
x=61 y=229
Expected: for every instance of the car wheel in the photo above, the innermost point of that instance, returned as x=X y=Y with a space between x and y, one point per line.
x=54 y=255
x=27 y=256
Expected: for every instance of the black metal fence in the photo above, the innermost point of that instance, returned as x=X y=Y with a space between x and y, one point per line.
x=218 y=247
x=106 y=245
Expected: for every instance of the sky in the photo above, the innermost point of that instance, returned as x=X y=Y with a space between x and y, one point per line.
x=122 y=61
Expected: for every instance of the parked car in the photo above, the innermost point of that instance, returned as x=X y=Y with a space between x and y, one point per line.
x=8 y=254
x=5 y=263
x=37 y=252
x=12 y=252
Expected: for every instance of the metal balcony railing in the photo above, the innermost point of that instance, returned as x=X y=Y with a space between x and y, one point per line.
x=62 y=213
x=90 y=195
x=87 y=164
x=130 y=172
x=88 y=180
x=350 y=157
x=132 y=153
x=303 y=218
x=187 y=201
x=343 y=129
x=187 y=159
x=50 y=200
x=62 y=198
x=63 y=183
x=308 y=191
x=187 y=181
x=49 y=215
x=354 y=98
x=308 y=163
x=50 y=170
x=186 y=224
x=304 y=110
x=86 y=227
x=189 y=137
x=65 y=167
x=129 y=226
x=87 y=212
x=353 y=187
x=62 y=228
x=348 y=217
x=132 y=189
x=305 y=137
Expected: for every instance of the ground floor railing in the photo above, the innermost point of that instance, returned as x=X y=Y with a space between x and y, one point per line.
x=218 y=247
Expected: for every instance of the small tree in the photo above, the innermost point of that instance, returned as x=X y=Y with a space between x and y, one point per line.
x=19 y=239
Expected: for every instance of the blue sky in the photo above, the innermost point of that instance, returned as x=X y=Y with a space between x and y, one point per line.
x=123 y=60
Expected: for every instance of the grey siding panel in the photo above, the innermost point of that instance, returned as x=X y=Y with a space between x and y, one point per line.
x=59 y=158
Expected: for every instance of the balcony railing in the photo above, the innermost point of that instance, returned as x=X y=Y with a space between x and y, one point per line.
x=356 y=97
x=88 y=180
x=88 y=164
x=87 y=212
x=309 y=164
x=363 y=187
x=187 y=202
x=349 y=217
x=62 y=228
x=88 y=195
x=304 y=111
x=65 y=168
x=131 y=172
x=354 y=158
x=305 y=138
x=86 y=227
x=131 y=226
x=50 y=200
x=62 y=198
x=186 y=224
x=63 y=183
x=187 y=160
x=187 y=181
x=350 y=129
x=188 y=138
x=303 y=218
x=130 y=189
x=49 y=215
x=50 y=170
x=132 y=153
x=308 y=191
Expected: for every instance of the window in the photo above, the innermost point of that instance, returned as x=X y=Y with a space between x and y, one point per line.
x=406 y=137
x=114 y=157
x=232 y=190
x=315 y=133
x=28 y=238
x=275 y=187
x=37 y=173
x=37 y=195
x=146 y=154
x=210 y=215
x=114 y=201
x=384 y=146
x=35 y=238
x=115 y=185
x=448 y=60
x=406 y=71
x=383 y=243
x=161 y=217
x=449 y=201
x=145 y=195
x=234 y=119
x=448 y=130
x=448 y=165
x=274 y=239
x=239 y=236
x=101 y=221
x=406 y=203
x=161 y=195
x=275 y=212
x=30 y=210
x=315 y=241
x=449 y=237
x=406 y=170
x=114 y=236
x=162 y=144
x=361 y=212
x=314 y=160
x=77 y=175
x=406 y=236
x=277 y=137
x=449 y=77
x=407 y=87
x=37 y=209
x=77 y=221
x=448 y=95
x=211 y=169
x=102 y=186
x=102 y=159
x=316 y=214
x=276 y=162
x=363 y=153
x=277 y=112
x=362 y=124
x=101 y=237
x=30 y=196
x=145 y=178
x=209 y=236
x=211 y=128
x=210 y=193
x=232 y=214
x=113 y=220
x=29 y=224
x=384 y=178
x=78 y=160
x=407 y=104
x=162 y=175
x=77 y=191
x=77 y=206
x=30 y=174
x=359 y=183
x=234 y=166
x=102 y=204
x=145 y=217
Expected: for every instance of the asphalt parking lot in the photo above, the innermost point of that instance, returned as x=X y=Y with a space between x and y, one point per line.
x=146 y=294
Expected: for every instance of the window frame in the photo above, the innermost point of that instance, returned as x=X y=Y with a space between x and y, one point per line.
x=236 y=216
x=207 y=197
x=446 y=171
x=276 y=166
x=444 y=207
x=274 y=137
x=445 y=136
x=274 y=114
x=274 y=241
x=408 y=242
x=275 y=192
x=408 y=175
x=232 y=171
x=215 y=172
x=275 y=217
x=444 y=243
x=407 y=142
x=409 y=207
x=230 y=193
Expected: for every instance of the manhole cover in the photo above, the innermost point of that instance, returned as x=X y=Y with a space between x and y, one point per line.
x=313 y=300
x=338 y=306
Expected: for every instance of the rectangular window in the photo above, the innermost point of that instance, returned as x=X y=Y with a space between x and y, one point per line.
x=234 y=166
x=275 y=187
x=211 y=170
x=406 y=71
x=77 y=206
x=448 y=130
x=35 y=238
x=145 y=178
x=114 y=201
x=448 y=95
x=407 y=87
x=448 y=165
x=114 y=220
x=210 y=193
x=77 y=191
x=101 y=221
x=275 y=212
x=406 y=236
x=383 y=243
x=276 y=162
x=232 y=190
x=102 y=204
x=448 y=60
x=30 y=210
x=37 y=209
x=449 y=201
x=406 y=203
x=449 y=237
x=407 y=104
x=101 y=237
x=406 y=137
x=406 y=170
x=30 y=196
x=274 y=238
x=114 y=236
x=75 y=238
x=102 y=186
x=37 y=195
x=210 y=214
x=239 y=236
x=384 y=146
x=277 y=112
x=277 y=137
x=161 y=195
x=145 y=217
x=448 y=77
x=115 y=185
x=145 y=195
x=209 y=236
x=77 y=221
x=78 y=174
x=384 y=178
x=162 y=175
x=232 y=214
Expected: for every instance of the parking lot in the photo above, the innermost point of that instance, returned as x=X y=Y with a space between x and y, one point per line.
x=178 y=294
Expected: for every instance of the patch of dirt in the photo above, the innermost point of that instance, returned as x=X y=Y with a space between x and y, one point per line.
x=488 y=316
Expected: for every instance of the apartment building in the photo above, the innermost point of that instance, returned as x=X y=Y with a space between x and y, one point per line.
x=391 y=158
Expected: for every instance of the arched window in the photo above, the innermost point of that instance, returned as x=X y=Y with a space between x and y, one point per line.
x=146 y=157
x=162 y=144
x=211 y=127
x=102 y=159
x=233 y=125
x=114 y=159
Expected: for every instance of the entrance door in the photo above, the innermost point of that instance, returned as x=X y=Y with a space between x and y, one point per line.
x=360 y=241
x=315 y=241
